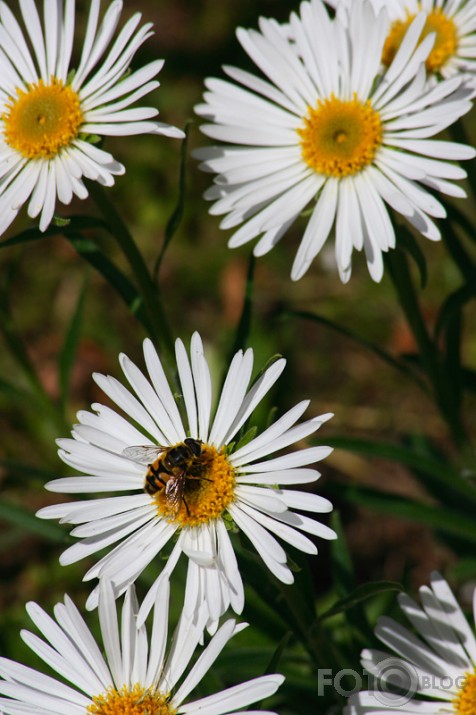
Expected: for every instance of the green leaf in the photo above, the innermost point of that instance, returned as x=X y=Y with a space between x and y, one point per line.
x=68 y=350
x=274 y=358
x=177 y=214
x=17 y=349
x=459 y=134
x=60 y=221
x=89 y=250
x=438 y=517
x=398 y=269
x=360 y=594
x=403 y=454
x=469 y=379
x=453 y=329
x=14 y=392
x=75 y=224
x=345 y=581
x=454 y=245
x=285 y=601
x=402 y=367
x=246 y=438
x=275 y=660
x=452 y=306
x=18 y=515
x=342 y=568
x=407 y=241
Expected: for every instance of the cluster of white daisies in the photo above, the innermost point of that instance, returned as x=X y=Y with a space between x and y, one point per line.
x=343 y=120
x=340 y=123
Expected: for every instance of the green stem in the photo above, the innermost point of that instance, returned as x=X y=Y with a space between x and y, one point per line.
x=399 y=272
x=459 y=134
x=157 y=321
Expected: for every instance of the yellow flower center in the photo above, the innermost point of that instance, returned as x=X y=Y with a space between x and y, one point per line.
x=340 y=138
x=465 y=702
x=197 y=490
x=42 y=120
x=446 y=40
x=130 y=701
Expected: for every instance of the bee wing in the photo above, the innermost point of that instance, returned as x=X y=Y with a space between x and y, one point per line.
x=174 y=490
x=143 y=454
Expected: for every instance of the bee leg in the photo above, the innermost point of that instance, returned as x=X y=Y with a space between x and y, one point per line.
x=186 y=506
x=199 y=479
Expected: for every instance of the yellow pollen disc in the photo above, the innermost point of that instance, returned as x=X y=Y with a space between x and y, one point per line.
x=130 y=701
x=446 y=40
x=465 y=702
x=203 y=495
x=340 y=138
x=42 y=120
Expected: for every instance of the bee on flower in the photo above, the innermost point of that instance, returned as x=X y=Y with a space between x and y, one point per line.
x=190 y=479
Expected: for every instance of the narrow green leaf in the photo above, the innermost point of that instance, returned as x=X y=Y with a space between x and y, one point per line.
x=285 y=601
x=452 y=307
x=15 y=393
x=275 y=660
x=452 y=367
x=407 y=241
x=75 y=224
x=17 y=349
x=157 y=324
x=398 y=269
x=360 y=594
x=455 y=247
x=469 y=379
x=345 y=582
x=403 y=454
x=177 y=214
x=464 y=569
x=342 y=568
x=245 y=438
x=274 y=358
x=399 y=365
x=68 y=350
x=89 y=250
x=459 y=134
x=18 y=515
x=438 y=517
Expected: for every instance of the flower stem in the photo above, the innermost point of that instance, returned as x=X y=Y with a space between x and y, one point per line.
x=157 y=321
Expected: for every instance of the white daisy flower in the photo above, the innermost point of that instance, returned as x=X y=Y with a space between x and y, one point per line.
x=438 y=664
x=189 y=479
x=327 y=129
x=49 y=112
x=452 y=21
x=135 y=677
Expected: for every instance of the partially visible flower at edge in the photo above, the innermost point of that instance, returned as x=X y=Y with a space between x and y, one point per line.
x=452 y=21
x=51 y=116
x=438 y=665
x=224 y=482
x=137 y=674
